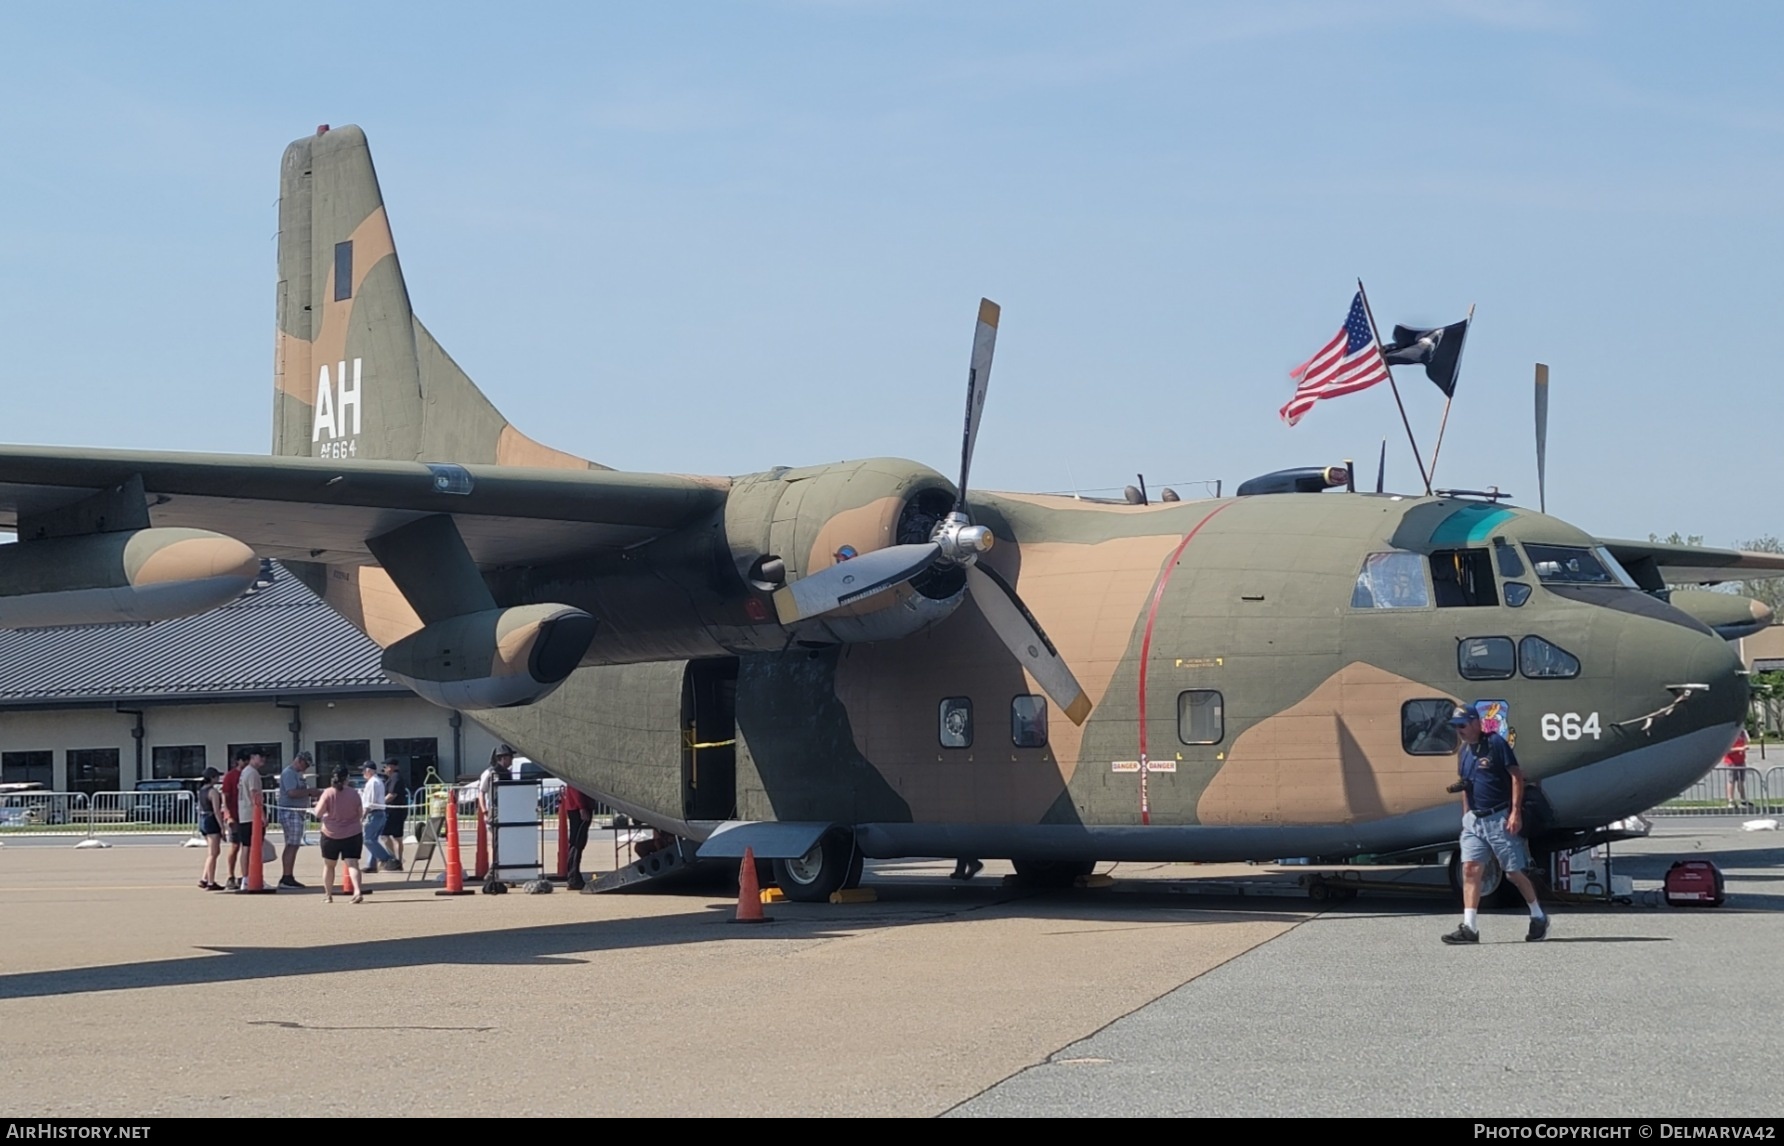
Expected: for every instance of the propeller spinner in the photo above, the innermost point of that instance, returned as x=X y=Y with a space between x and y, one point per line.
x=955 y=543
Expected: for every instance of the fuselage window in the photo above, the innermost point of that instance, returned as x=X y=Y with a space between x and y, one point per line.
x=1577 y=565
x=1028 y=722
x=1425 y=728
x=1516 y=593
x=1201 y=716
x=1485 y=658
x=1463 y=577
x=956 y=728
x=1510 y=564
x=1391 y=581
x=1537 y=658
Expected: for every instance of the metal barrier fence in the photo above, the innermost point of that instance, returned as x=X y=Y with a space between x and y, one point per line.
x=1729 y=792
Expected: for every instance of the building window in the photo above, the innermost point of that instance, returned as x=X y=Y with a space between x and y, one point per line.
x=343 y=271
x=173 y=762
x=1028 y=722
x=1391 y=581
x=93 y=770
x=956 y=722
x=1463 y=577
x=28 y=768
x=272 y=751
x=1201 y=716
x=331 y=754
x=1425 y=729
x=1485 y=658
x=1543 y=661
x=415 y=756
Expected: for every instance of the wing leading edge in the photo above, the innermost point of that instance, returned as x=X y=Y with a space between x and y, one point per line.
x=323 y=509
x=1691 y=564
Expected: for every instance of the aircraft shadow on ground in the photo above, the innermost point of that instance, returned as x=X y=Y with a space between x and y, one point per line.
x=572 y=943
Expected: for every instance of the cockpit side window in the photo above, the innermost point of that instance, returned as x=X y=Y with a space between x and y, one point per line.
x=1576 y=565
x=1539 y=659
x=1463 y=577
x=1391 y=581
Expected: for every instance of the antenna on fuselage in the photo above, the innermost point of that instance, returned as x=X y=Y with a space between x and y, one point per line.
x=1542 y=437
x=1381 y=467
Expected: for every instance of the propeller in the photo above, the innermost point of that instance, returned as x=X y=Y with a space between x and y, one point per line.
x=955 y=542
x=1542 y=437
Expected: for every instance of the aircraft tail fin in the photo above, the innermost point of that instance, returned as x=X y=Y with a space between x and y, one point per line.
x=355 y=373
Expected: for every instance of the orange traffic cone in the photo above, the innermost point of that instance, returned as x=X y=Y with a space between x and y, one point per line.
x=563 y=867
x=255 y=883
x=455 y=867
x=749 y=893
x=482 y=847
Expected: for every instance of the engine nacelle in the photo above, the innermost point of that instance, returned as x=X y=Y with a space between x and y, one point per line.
x=495 y=659
x=1730 y=615
x=791 y=523
x=105 y=578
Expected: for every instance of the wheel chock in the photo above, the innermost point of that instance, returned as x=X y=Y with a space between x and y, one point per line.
x=855 y=895
x=773 y=895
x=1094 y=881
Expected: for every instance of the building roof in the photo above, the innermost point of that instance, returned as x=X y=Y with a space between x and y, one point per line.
x=278 y=639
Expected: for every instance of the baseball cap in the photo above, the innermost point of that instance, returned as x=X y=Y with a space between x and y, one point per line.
x=1463 y=714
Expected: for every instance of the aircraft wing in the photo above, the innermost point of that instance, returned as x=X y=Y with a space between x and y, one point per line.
x=323 y=509
x=1693 y=564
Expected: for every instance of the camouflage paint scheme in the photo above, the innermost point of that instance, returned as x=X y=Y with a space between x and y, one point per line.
x=836 y=719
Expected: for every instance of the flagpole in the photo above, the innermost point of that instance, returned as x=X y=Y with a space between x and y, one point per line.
x=1404 y=420
x=1467 y=329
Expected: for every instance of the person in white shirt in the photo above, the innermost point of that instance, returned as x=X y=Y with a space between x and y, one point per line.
x=375 y=813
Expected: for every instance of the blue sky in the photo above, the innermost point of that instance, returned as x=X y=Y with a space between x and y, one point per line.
x=720 y=237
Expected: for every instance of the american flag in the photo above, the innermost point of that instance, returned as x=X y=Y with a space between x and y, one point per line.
x=1348 y=363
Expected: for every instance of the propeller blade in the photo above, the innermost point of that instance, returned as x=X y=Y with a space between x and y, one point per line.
x=1022 y=635
x=1542 y=437
x=978 y=380
x=1381 y=467
x=852 y=580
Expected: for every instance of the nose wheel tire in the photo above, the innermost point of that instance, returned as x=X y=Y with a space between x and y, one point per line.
x=824 y=869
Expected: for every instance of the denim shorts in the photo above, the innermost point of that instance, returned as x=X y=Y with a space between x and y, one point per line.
x=1484 y=836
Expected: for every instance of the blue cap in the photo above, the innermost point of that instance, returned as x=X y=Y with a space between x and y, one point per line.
x=1463 y=714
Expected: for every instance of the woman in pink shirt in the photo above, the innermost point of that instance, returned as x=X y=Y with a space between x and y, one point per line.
x=339 y=810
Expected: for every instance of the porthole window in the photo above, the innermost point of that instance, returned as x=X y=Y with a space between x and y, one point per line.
x=1425 y=729
x=1201 y=716
x=1539 y=659
x=1028 y=722
x=955 y=728
x=1485 y=658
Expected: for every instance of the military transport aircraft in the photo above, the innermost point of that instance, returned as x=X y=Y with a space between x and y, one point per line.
x=868 y=658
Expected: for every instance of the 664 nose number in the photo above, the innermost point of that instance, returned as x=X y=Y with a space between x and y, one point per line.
x=1569 y=725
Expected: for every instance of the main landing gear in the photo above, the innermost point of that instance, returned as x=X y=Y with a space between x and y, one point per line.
x=833 y=863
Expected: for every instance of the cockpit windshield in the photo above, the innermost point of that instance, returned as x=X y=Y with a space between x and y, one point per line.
x=1576 y=565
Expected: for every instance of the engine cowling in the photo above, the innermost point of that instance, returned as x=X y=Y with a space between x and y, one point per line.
x=500 y=658
x=790 y=523
x=1730 y=615
x=105 y=578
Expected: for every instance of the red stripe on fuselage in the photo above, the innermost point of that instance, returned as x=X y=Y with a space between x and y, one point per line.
x=1164 y=578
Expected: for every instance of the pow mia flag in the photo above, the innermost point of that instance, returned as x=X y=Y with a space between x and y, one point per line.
x=1440 y=349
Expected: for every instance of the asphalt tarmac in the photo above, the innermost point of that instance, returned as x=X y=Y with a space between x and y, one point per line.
x=125 y=990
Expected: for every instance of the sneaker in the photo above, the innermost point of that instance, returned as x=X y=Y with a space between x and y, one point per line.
x=287 y=881
x=1539 y=930
x=392 y=865
x=1461 y=935
x=234 y=884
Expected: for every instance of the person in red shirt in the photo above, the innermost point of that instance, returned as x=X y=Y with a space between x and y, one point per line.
x=231 y=788
x=579 y=810
x=1736 y=775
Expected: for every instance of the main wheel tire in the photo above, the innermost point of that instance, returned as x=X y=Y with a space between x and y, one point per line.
x=1495 y=889
x=1052 y=873
x=853 y=879
x=813 y=876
